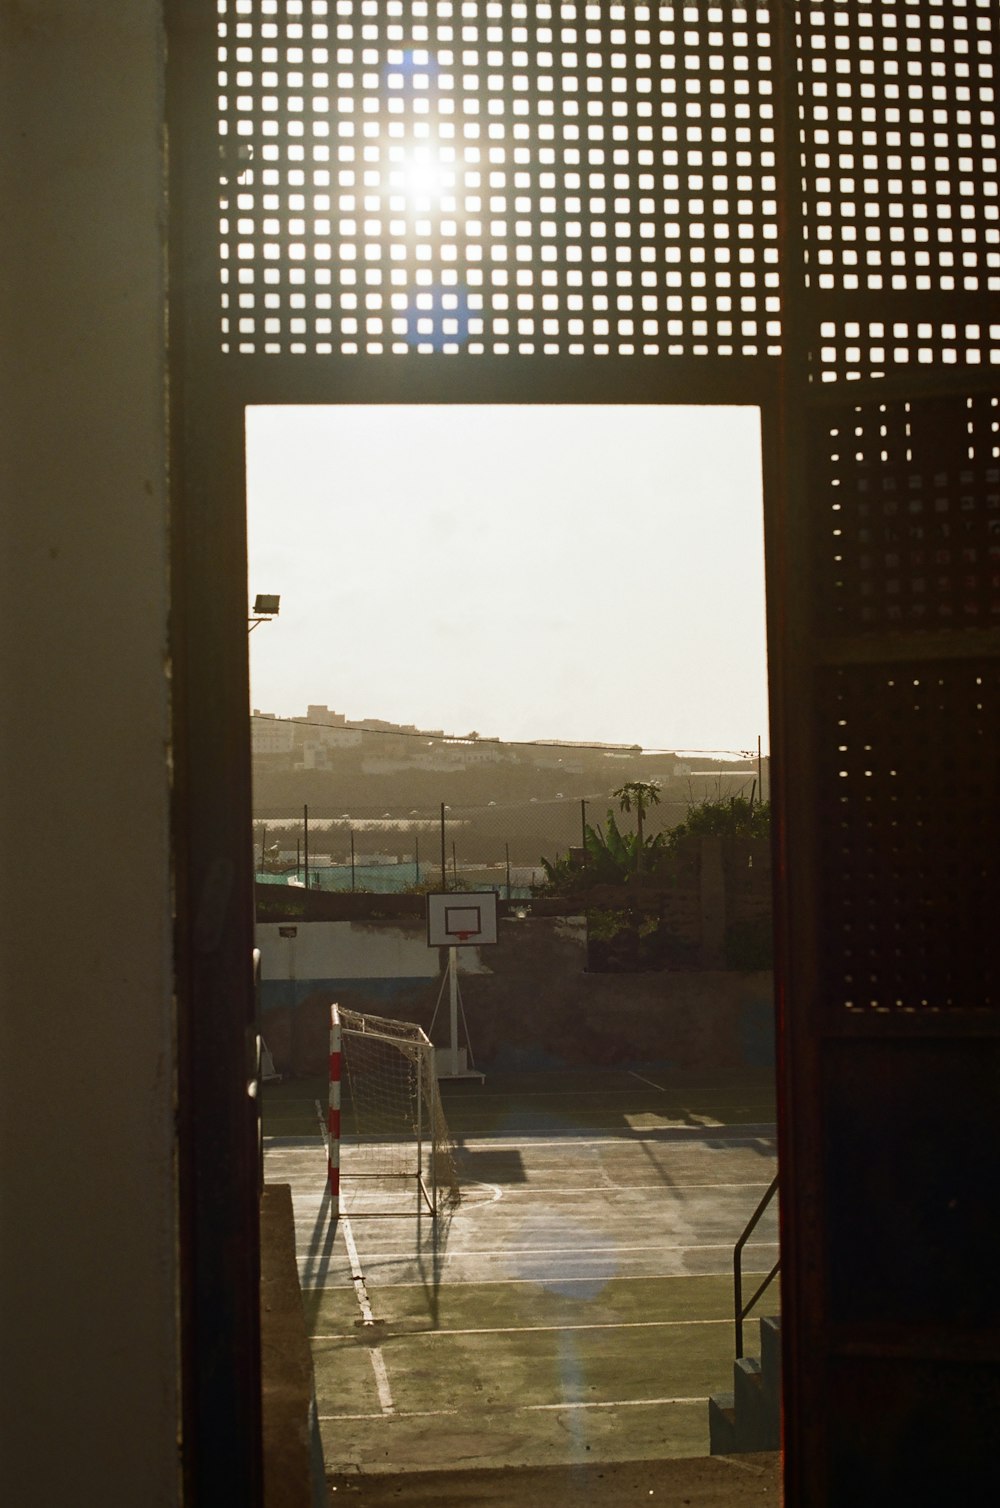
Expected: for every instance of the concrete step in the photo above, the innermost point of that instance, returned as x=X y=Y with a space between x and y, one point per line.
x=770 y=1355
x=749 y=1418
x=757 y=1420
x=721 y=1424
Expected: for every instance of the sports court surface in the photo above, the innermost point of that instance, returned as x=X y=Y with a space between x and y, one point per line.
x=575 y=1307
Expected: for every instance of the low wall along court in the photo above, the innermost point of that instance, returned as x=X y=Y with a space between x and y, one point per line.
x=530 y=1001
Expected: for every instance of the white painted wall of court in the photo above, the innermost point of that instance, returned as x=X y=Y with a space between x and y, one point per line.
x=344 y=950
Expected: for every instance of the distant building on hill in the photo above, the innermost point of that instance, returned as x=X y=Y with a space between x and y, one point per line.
x=270 y=734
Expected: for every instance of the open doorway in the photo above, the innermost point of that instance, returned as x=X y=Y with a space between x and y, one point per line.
x=494 y=620
x=590 y=574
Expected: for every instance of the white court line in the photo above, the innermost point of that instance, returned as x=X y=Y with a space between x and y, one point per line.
x=720 y=1091
x=416 y=1414
x=518 y=1253
x=643 y=1080
x=619 y=1277
x=623 y=1188
x=357 y=1276
x=524 y=1408
x=539 y=1282
x=541 y=1329
x=378 y=1361
x=635 y=1136
x=618 y=1403
x=596 y=1188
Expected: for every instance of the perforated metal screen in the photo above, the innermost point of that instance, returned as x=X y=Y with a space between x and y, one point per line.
x=900 y=149
x=427 y=176
x=911 y=495
x=590 y=179
x=902 y=128
x=911 y=754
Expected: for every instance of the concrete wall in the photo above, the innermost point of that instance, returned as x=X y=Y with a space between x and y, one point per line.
x=87 y=1224
x=298 y=958
x=531 y=1003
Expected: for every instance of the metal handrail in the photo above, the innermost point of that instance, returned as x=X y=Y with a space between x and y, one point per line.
x=741 y=1309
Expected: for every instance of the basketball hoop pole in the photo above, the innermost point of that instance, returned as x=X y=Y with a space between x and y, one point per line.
x=453 y=1005
x=458 y=1068
x=453 y=919
x=452 y=1061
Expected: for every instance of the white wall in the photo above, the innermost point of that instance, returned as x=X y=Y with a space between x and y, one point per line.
x=343 y=950
x=88 y=1331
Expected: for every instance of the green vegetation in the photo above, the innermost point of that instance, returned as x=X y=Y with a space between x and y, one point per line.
x=724 y=817
x=640 y=794
x=612 y=857
x=609 y=858
x=634 y=933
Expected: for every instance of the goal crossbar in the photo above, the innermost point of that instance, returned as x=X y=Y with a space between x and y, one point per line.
x=385 y=1123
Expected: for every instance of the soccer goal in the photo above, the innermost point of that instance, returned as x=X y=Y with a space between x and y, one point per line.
x=389 y=1148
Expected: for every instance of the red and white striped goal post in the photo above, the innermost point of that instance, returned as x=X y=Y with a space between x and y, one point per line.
x=333 y=1111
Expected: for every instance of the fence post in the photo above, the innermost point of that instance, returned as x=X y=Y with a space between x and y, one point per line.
x=352 y=858
x=507 y=852
x=583 y=825
x=444 y=858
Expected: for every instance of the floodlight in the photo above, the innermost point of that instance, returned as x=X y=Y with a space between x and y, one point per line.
x=266 y=605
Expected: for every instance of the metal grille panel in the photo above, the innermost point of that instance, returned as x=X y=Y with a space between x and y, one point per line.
x=900 y=144
x=422 y=176
x=902 y=127
x=911 y=524
x=911 y=836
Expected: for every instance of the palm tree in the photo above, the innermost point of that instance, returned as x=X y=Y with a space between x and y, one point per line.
x=640 y=794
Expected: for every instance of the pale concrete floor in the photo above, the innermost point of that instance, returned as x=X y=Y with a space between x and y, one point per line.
x=558 y=1335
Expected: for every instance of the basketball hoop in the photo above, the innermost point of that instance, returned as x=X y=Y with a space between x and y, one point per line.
x=457 y=919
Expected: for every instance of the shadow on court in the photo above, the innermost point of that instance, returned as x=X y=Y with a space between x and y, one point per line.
x=575 y=1308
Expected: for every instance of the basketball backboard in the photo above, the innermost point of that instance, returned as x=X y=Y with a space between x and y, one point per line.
x=459 y=919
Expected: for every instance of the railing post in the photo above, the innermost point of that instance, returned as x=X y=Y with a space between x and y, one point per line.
x=740 y=1311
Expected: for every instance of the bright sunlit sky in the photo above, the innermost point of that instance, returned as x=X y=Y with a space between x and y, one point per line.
x=536 y=572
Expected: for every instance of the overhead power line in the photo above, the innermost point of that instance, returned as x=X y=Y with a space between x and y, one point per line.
x=502 y=743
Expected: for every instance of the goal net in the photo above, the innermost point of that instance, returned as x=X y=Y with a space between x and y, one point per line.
x=389 y=1145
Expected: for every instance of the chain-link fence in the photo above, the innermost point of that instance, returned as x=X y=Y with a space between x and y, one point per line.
x=498 y=846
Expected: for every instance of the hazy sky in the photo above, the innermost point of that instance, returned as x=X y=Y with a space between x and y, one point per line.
x=580 y=573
